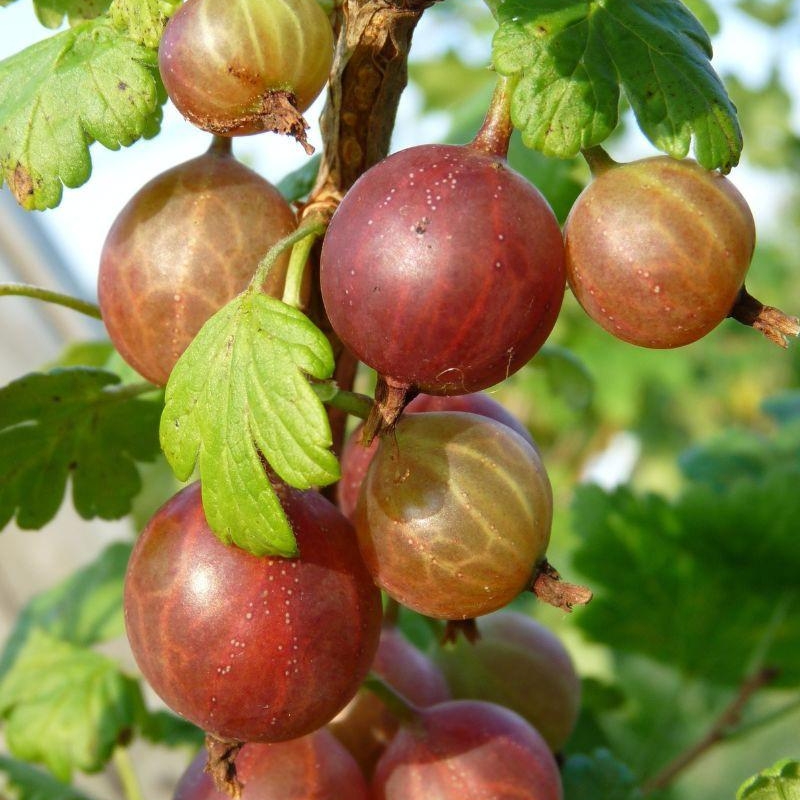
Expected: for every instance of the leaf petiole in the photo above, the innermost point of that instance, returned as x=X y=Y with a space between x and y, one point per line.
x=48 y=296
x=293 y=287
x=358 y=405
x=310 y=226
x=127 y=775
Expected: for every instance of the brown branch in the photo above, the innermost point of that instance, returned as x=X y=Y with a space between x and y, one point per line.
x=720 y=730
x=368 y=76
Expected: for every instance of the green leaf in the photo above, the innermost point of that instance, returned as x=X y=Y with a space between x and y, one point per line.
x=51 y=13
x=296 y=185
x=567 y=375
x=65 y=706
x=448 y=81
x=89 y=83
x=766 y=115
x=781 y=782
x=705 y=13
x=771 y=12
x=72 y=423
x=559 y=180
x=84 y=354
x=744 y=455
x=573 y=57
x=30 y=783
x=84 y=609
x=143 y=19
x=598 y=777
x=710 y=567
x=784 y=408
x=238 y=392
x=162 y=727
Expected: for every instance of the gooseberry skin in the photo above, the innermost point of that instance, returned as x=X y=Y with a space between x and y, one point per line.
x=657 y=250
x=443 y=269
x=184 y=245
x=366 y=725
x=467 y=750
x=454 y=514
x=356 y=458
x=313 y=767
x=247 y=648
x=518 y=663
x=221 y=59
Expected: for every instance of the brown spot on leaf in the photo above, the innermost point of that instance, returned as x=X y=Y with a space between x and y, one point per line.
x=22 y=185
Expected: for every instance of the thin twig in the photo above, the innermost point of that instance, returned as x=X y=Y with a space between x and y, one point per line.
x=56 y=298
x=722 y=729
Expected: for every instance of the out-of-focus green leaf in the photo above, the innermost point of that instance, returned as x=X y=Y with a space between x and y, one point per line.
x=572 y=58
x=598 y=776
x=737 y=455
x=66 y=706
x=51 y=13
x=705 y=13
x=29 y=783
x=560 y=180
x=240 y=392
x=704 y=584
x=771 y=12
x=72 y=423
x=89 y=83
x=765 y=112
x=296 y=185
x=566 y=374
x=164 y=728
x=784 y=408
x=84 y=609
x=449 y=82
x=84 y=354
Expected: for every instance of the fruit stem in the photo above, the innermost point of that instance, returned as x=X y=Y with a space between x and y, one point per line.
x=494 y=135
x=390 y=400
x=358 y=405
x=598 y=160
x=26 y=290
x=310 y=226
x=720 y=730
x=549 y=588
x=127 y=775
x=398 y=705
x=772 y=322
x=221 y=145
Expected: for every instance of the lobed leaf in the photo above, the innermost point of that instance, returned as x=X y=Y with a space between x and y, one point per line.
x=83 y=610
x=705 y=584
x=144 y=20
x=240 y=392
x=70 y=423
x=780 y=782
x=31 y=783
x=89 y=83
x=65 y=706
x=598 y=775
x=574 y=57
x=51 y=13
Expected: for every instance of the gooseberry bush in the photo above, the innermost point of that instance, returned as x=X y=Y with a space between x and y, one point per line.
x=357 y=413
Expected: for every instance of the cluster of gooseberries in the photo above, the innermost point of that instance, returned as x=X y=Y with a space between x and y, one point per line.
x=444 y=271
